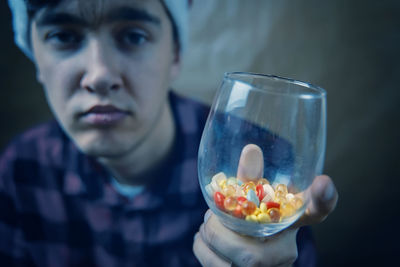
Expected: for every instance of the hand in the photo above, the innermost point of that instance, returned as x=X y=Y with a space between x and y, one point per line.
x=216 y=245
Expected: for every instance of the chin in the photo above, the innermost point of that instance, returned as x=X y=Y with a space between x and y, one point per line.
x=105 y=147
x=104 y=151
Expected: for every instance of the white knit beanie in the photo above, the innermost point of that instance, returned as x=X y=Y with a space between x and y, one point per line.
x=177 y=8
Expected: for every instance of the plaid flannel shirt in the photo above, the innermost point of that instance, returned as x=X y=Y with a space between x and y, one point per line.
x=59 y=208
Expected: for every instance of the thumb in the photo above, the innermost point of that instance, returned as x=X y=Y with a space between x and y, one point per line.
x=251 y=163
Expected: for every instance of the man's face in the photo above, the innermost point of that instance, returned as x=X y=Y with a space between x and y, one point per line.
x=105 y=67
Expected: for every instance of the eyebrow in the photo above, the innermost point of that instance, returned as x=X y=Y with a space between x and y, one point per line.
x=118 y=14
x=60 y=19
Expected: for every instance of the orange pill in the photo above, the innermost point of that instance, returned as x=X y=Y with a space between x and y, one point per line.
x=274 y=214
x=237 y=212
x=248 y=207
x=230 y=203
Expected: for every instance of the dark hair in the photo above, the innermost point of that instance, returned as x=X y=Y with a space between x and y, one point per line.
x=33 y=6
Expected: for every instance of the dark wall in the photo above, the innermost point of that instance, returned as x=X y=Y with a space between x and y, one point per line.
x=22 y=102
x=353 y=46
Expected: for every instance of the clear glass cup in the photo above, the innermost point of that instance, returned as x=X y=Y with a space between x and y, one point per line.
x=286 y=120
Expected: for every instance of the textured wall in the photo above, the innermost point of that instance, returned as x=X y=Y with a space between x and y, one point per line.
x=348 y=47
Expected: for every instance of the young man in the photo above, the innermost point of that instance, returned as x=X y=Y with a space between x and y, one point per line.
x=113 y=181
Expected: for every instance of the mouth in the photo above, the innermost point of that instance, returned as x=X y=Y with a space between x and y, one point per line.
x=103 y=115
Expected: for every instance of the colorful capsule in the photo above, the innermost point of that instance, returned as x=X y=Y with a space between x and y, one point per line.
x=269 y=190
x=251 y=218
x=287 y=210
x=219 y=199
x=237 y=212
x=280 y=200
x=252 y=196
x=280 y=194
x=263 y=207
x=219 y=177
x=271 y=205
x=231 y=181
x=281 y=188
x=222 y=184
x=263 y=181
x=254 y=201
x=260 y=192
x=274 y=214
x=297 y=202
x=241 y=199
x=248 y=207
x=249 y=186
x=263 y=218
x=230 y=203
x=229 y=190
x=267 y=198
x=289 y=196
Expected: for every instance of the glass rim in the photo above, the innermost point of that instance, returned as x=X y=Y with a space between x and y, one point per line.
x=318 y=91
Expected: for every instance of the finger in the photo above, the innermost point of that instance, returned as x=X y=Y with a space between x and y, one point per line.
x=205 y=255
x=323 y=199
x=251 y=163
x=249 y=251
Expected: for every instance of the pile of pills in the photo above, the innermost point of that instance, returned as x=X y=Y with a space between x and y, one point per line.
x=255 y=200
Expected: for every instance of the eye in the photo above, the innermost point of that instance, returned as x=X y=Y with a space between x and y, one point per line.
x=132 y=37
x=64 y=38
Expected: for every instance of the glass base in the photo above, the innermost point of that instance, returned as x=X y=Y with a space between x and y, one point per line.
x=252 y=228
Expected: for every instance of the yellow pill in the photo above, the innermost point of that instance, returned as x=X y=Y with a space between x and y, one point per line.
x=248 y=186
x=239 y=192
x=258 y=211
x=297 y=202
x=230 y=203
x=263 y=181
x=228 y=191
x=251 y=218
x=280 y=194
x=263 y=218
x=287 y=210
x=263 y=207
x=281 y=188
x=222 y=184
x=280 y=200
x=231 y=181
x=289 y=196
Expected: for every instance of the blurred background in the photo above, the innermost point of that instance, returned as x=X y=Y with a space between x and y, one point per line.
x=350 y=48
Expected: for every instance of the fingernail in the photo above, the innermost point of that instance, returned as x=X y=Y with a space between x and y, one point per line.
x=329 y=193
x=207 y=216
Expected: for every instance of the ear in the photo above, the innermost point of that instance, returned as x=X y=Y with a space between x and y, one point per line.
x=176 y=63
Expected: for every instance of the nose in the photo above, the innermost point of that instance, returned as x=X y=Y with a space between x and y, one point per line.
x=101 y=74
